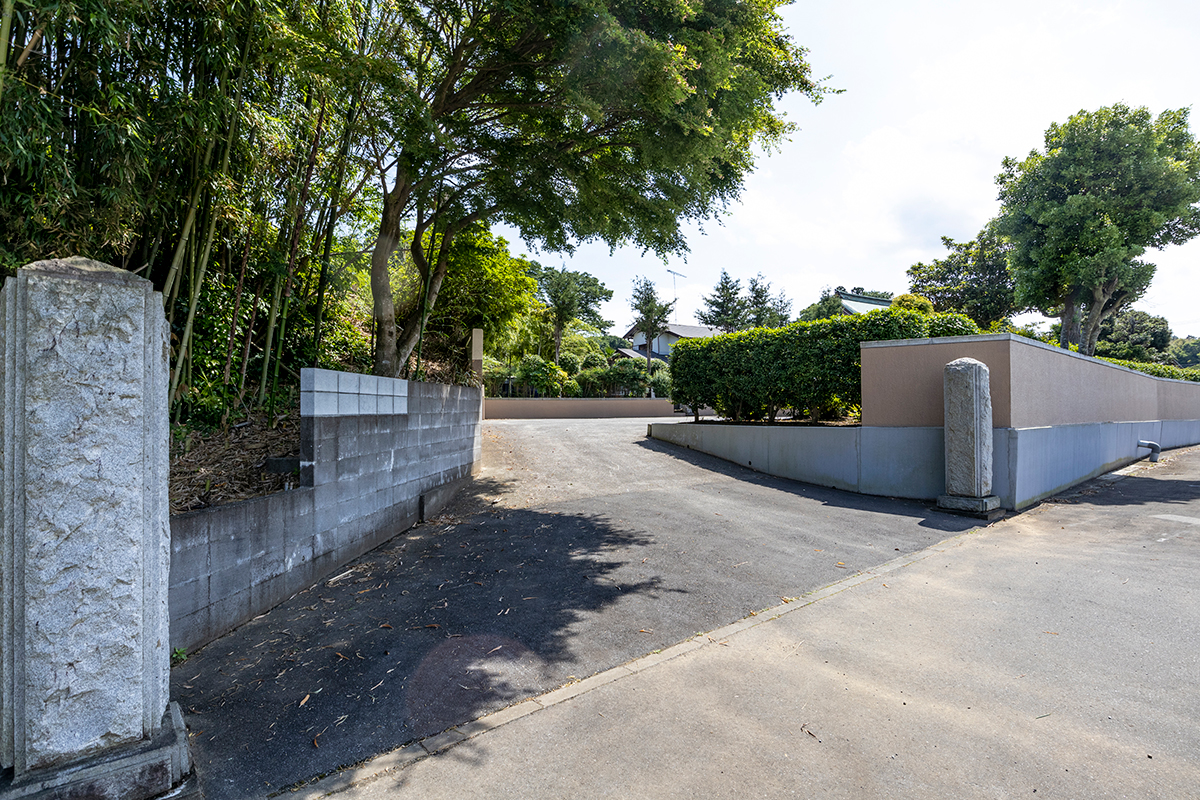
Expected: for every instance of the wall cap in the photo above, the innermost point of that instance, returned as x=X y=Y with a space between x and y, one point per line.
x=1012 y=337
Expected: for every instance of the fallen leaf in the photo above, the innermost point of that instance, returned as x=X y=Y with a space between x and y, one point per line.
x=433 y=625
x=1052 y=633
x=305 y=700
x=385 y=625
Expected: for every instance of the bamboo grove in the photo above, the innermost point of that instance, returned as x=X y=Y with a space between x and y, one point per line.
x=297 y=178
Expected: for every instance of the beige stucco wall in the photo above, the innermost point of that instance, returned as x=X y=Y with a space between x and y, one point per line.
x=1033 y=384
x=575 y=407
x=902 y=382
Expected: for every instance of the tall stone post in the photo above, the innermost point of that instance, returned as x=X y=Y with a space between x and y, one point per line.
x=477 y=353
x=968 y=437
x=85 y=546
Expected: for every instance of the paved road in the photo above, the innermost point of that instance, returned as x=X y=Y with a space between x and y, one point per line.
x=582 y=546
x=1055 y=654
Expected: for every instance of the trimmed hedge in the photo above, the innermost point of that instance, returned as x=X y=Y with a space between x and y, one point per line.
x=810 y=366
x=1158 y=370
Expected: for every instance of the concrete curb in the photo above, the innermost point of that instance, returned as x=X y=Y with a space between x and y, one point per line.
x=402 y=757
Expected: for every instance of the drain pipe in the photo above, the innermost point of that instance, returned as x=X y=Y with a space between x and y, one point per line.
x=1154 y=449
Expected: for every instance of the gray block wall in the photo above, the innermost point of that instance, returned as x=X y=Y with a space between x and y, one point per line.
x=371 y=449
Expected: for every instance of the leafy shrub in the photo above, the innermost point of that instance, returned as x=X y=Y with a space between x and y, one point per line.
x=593 y=381
x=541 y=375
x=628 y=376
x=569 y=363
x=660 y=383
x=950 y=324
x=571 y=388
x=913 y=302
x=806 y=366
x=594 y=361
x=1158 y=370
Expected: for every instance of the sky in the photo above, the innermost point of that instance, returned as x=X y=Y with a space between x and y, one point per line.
x=936 y=94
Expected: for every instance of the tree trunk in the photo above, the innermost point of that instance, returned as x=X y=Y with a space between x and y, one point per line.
x=386 y=362
x=1069 y=334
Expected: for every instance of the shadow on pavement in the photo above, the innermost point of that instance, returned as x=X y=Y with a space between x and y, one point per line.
x=444 y=623
x=837 y=498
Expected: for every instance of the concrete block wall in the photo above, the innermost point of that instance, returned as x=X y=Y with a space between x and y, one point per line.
x=374 y=452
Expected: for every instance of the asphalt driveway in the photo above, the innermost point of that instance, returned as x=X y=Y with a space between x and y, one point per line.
x=581 y=546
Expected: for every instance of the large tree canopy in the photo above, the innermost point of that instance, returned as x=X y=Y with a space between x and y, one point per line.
x=972 y=279
x=1110 y=184
x=571 y=296
x=589 y=119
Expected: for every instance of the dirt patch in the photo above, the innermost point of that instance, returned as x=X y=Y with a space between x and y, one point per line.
x=216 y=467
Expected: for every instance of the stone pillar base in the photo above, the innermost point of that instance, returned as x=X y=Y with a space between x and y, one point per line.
x=980 y=507
x=133 y=772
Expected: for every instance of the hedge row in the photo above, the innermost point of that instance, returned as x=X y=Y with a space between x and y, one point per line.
x=1158 y=370
x=807 y=366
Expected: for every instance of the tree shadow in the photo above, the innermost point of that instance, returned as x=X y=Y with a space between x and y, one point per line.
x=924 y=510
x=444 y=623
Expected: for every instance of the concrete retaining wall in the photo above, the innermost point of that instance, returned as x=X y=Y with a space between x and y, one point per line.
x=371 y=449
x=576 y=407
x=1029 y=464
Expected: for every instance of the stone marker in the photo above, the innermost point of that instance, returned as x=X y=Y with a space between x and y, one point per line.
x=968 y=436
x=477 y=353
x=85 y=544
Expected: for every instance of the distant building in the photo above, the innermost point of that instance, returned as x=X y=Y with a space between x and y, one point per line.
x=860 y=303
x=663 y=343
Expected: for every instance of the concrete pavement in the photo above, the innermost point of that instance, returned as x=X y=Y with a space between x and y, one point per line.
x=1053 y=654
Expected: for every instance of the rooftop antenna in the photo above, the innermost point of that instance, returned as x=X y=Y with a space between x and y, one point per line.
x=675 y=302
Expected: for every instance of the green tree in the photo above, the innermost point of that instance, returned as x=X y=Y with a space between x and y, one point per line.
x=1110 y=184
x=913 y=302
x=1184 y=352
x=650 y=313
x=725 y=308
x=1134 y=336
x=587 y=120
x=571 y=296
x=973 y=279
x=765 y=310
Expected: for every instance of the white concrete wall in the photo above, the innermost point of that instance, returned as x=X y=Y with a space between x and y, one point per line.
x=1029 y=464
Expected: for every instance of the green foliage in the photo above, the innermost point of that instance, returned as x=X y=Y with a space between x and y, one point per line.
x=1158 y=370
x=569 y=363
x=594 y=360
x=950 y=324
x=660 y=383
x=1110 y=184
x=593 y=381
x=627 y=376
x=1185 y=352
x=765 y=310
x=571 y=297
x=571 y=388
x=650 y=313
x=806 y=366
x=973 y=279
x=541 y=375
x=830 y=304
x=913 y=302
x=725 y=308
x=1134 y=336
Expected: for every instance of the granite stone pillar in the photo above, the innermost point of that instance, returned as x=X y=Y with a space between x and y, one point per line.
x=477 y=353
x=968 y=437
x=85 y=543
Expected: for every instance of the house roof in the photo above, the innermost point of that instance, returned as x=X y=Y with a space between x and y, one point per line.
x=630 y=353
x=683 y=331
x=861 y=303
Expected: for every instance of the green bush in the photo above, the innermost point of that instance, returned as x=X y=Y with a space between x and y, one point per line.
x=594 y=361
x=628 y=376
x=1158 y=370
x=569 y=363
x=541 y=375
x=660 y=383
x=593 y=381
x=571 y=388
x=807 y=366
x=951 y=324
